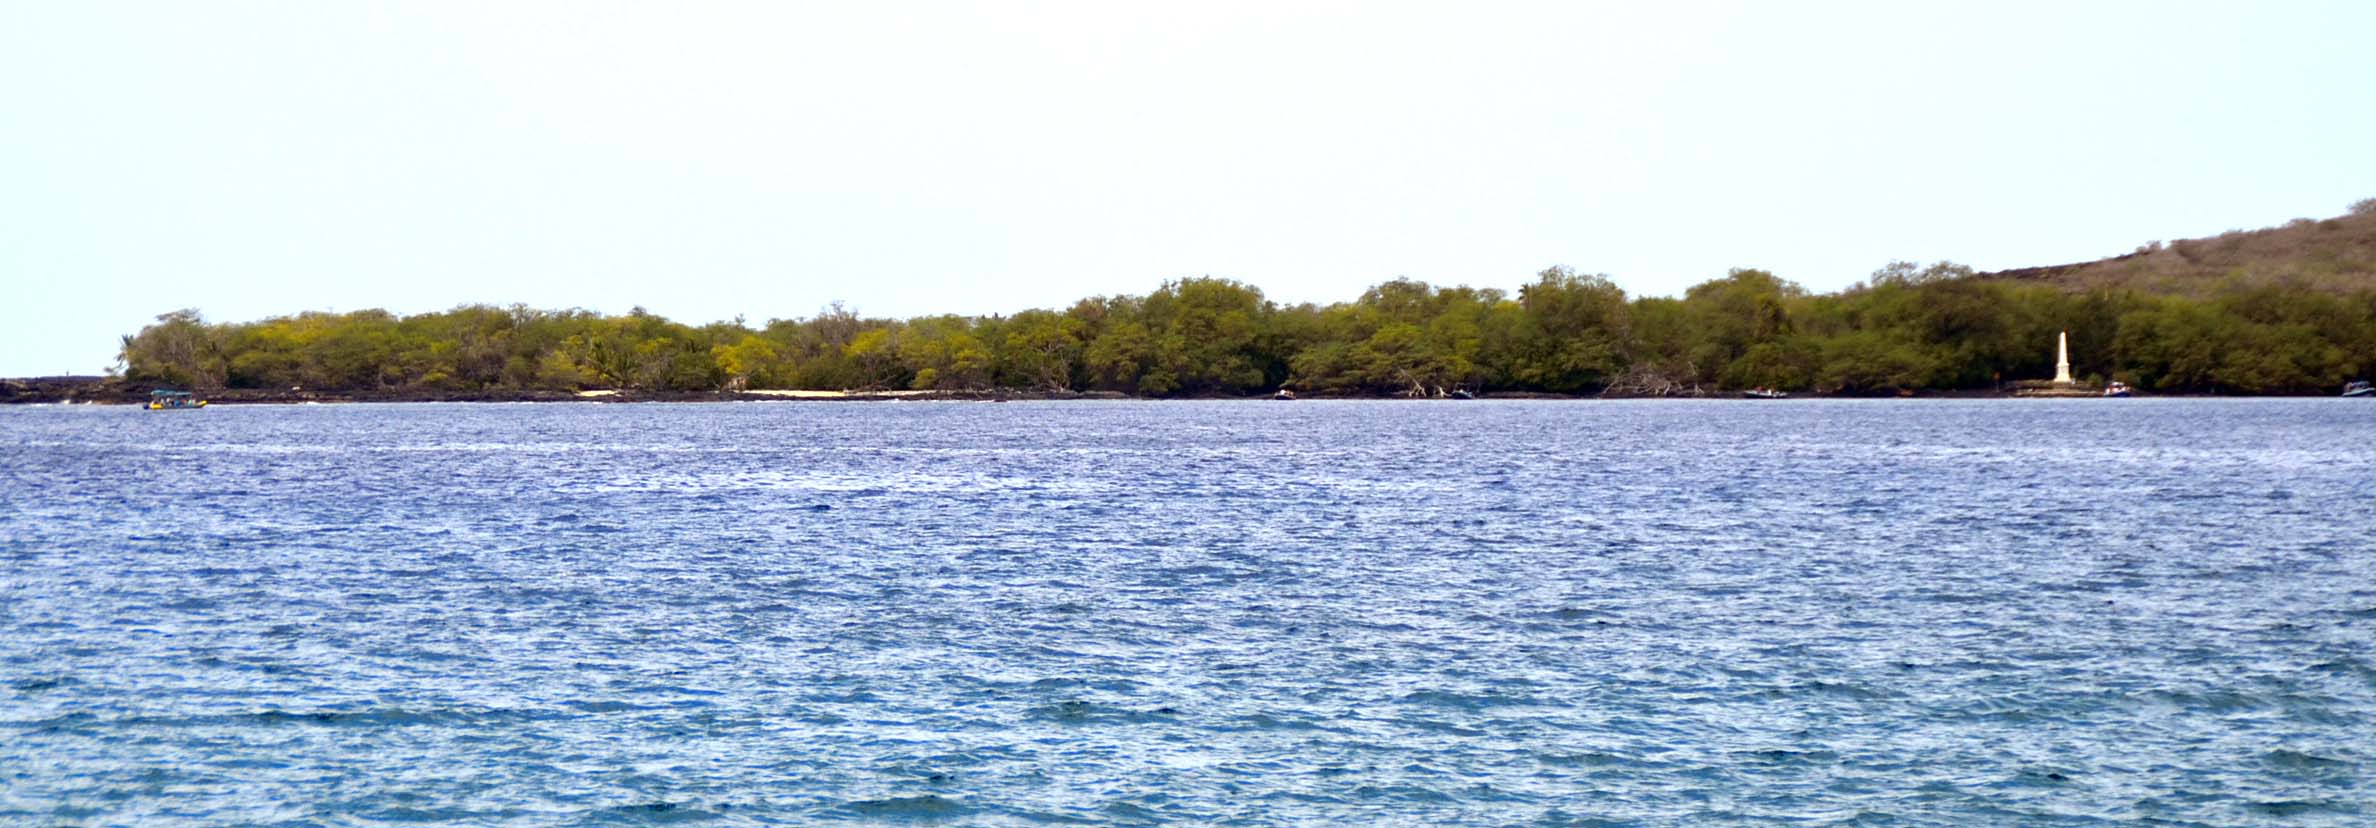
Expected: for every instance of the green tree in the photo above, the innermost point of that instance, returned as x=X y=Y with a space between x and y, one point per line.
x=1571 y=336
x=1042 y=349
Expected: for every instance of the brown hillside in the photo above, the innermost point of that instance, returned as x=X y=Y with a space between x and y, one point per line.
x=2337 y=255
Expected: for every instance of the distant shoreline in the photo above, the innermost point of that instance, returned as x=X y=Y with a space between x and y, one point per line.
x=110 y=391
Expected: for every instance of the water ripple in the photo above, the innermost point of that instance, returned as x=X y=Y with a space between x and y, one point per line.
x=1834 y=613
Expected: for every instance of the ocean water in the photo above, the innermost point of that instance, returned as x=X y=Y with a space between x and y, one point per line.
x=1951 y=613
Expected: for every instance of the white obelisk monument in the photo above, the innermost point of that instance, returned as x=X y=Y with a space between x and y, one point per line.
x=2062 y=359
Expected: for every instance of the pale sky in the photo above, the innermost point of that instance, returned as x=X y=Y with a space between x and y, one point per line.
x=706 y=160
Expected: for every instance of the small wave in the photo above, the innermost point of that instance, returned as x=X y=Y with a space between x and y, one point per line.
x=1586 y=759
x=655 y=813
x=2041 y=777
x=2294 y=760
x=605 y=706
x=2298 y=807
x=374 y=717
x=387 y=717
x=1786 y=756
x=1264 y=721
x=1446 y=728
x=2348 y=666
x=1400 y=793
x=926 y=808
x=1556 y=818
x=1461 y=701
x=36 y=685
x=1830 y=689
x=1131 y=813
x=403 y=813
x=1577 y=614
x=2211 y=701
x=1083 y=712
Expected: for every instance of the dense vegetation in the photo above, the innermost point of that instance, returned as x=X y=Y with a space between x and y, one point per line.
x=1906 y=328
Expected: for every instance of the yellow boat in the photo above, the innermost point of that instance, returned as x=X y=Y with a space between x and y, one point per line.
x=162 y=399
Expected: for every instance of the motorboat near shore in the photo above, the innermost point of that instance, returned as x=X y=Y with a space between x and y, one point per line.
x=1764 y=394
x=2117 y=389
x=164 y=399
x=2359 y=388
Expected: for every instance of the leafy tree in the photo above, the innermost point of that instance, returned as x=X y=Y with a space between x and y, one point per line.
x=1571 y=332
x=180 y=349
x=1042 y=349
x=750 y=363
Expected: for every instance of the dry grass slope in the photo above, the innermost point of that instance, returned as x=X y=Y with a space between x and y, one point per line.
x=2336 y=255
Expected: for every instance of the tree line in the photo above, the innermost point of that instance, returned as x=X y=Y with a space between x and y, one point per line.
x=1907 y=328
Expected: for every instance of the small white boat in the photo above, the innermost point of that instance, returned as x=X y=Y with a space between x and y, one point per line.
x=2117 y=389
x=2359 y=388
x=1764 y=394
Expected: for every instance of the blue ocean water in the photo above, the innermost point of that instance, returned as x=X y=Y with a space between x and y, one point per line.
x=1989 y=612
